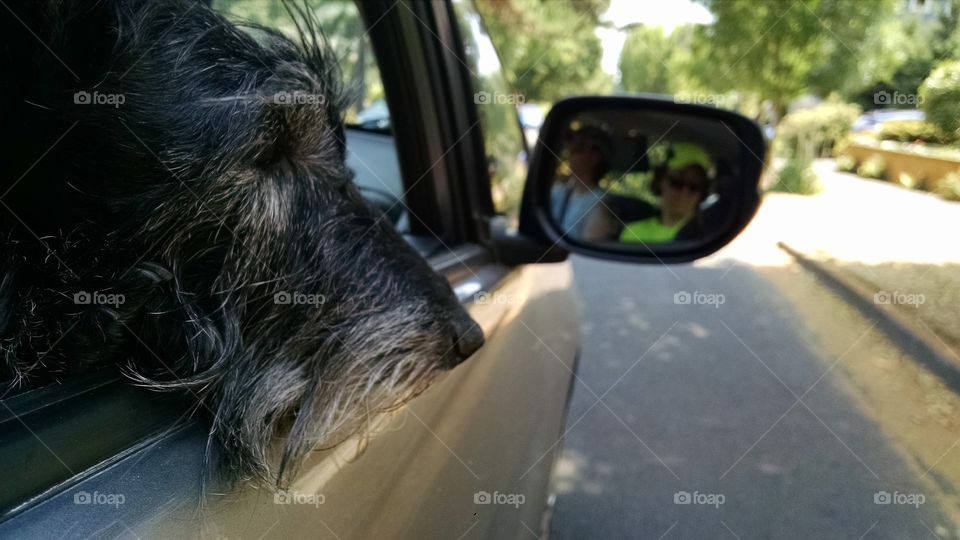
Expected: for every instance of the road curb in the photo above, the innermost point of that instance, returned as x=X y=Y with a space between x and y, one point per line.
x=919 y=343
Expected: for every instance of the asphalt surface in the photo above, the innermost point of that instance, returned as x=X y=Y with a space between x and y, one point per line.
x=751 y=406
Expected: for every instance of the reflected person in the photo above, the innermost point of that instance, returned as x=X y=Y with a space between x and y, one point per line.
x=682 y=184
x=576 y=199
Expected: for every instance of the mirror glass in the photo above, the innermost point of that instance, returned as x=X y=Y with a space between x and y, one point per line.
x=640 y=178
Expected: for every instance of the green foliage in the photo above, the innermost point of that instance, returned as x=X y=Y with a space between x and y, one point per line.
x=946 y=42
x=634 y=184
x=797 y=175
x=871 y=52
x=949 y=187
x=910 y=41
x=780 y=48
x=840 y=147
x=909 y=131
x=910 y=181
x=645 y=61
x=846 y=163
x=873 y=167
x=941 y=97
x=548 y=47
x=342 y=26
x=821 y=127
x=496 y=102
x=897 y=56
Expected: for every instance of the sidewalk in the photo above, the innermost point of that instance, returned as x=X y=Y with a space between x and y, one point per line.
x=895 y=242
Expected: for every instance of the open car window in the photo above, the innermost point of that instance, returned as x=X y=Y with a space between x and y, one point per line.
x=371 y=151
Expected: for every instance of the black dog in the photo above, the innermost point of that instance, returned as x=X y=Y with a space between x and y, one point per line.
x=176 y=204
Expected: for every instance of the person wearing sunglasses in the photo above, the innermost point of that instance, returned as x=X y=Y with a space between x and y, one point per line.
x=576 y=198
x=682 y=184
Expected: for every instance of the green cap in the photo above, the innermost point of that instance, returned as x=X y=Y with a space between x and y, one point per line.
x=689 y=154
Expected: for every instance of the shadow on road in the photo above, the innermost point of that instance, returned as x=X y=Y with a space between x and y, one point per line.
x=709 y=406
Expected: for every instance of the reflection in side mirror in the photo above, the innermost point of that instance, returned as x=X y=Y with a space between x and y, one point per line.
x=642 y=178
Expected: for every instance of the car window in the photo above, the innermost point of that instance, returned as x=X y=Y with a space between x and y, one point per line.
x=344 y=29
x=371 y=151
x=497 y=106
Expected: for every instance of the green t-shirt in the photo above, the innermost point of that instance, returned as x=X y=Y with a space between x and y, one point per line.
x=650 y=231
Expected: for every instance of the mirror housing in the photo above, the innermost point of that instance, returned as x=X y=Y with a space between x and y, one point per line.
x=740 y=195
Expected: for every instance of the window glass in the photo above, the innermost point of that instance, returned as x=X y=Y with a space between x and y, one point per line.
x=371 y=151
x=344 y=28
x=497 y=105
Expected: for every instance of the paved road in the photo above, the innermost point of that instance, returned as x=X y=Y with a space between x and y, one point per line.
x=754 y=403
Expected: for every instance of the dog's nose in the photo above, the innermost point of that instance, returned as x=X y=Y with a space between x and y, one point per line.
x=469 y=336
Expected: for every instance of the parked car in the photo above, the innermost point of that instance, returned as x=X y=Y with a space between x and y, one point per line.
x=472 y=456
x=873 y=120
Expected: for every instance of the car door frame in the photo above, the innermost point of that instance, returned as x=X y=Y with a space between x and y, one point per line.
x=416 y=53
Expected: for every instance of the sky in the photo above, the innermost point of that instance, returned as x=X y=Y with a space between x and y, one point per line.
x=666 y=13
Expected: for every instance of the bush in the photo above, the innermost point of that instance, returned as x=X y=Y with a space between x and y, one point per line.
x=840 y=147
x=822 y=126
x=909 y=181
x=846 y=163
x=909 y=131
x=941 y=97
x=949 y=187
x=873 y=167
x=797 y=176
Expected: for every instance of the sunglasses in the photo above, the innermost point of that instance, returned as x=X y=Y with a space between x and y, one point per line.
x=680 y=185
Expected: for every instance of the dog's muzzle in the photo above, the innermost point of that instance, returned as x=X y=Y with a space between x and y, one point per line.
x=468 y=335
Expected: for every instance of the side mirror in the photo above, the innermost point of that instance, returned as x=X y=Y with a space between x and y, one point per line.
x=642 y=179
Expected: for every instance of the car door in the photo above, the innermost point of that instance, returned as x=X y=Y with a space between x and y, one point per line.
x=469 y=458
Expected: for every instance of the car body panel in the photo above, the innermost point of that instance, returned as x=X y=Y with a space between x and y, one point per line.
x=493 y=424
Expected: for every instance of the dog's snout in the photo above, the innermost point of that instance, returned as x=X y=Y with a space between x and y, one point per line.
x=469 y=335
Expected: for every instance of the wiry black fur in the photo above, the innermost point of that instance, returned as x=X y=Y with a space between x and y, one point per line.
x=199 y=199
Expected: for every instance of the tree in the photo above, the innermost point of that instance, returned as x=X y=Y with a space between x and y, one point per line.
x=905 y=45
x=780 y=48
x=941 y=97
x=645 y=61
x=342 y=27
x=947 y=44
x=548 y=47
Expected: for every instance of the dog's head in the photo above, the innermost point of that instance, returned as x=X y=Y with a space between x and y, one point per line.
x=195 y=171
